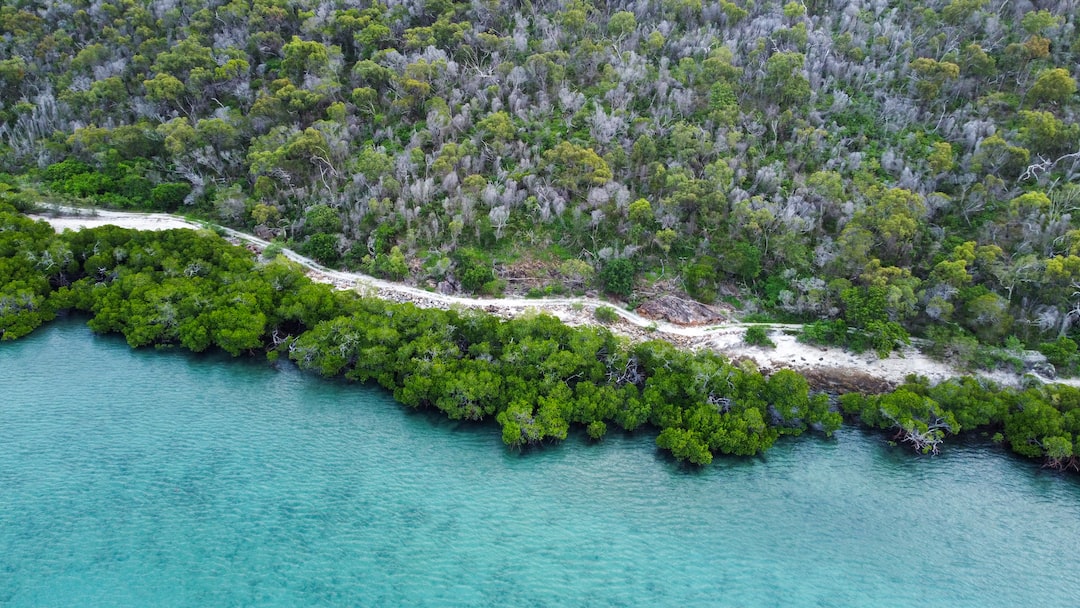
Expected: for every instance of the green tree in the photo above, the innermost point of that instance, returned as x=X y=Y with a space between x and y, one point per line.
x=323 y=247
x=1038 y=22
x=303 y=57
x=322 y=219
x=621 y=24
x=757 y=335
x=932 y=75
x=576 y=168
x=917 y=419
x=685 y=445
x=886 y=228
x=784 y=81
x=1053 y=86
x=617 y=276
x=1035 y=427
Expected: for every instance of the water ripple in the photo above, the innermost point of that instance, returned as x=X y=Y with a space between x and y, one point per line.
x=135 y=478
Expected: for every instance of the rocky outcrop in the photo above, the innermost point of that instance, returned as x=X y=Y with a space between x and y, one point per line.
x=1036 y=363
x=681 y=312
x=840 y=380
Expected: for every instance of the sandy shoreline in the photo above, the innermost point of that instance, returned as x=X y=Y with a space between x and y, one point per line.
x=724 y=338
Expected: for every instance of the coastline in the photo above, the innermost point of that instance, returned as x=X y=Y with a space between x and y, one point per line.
x=827 y=368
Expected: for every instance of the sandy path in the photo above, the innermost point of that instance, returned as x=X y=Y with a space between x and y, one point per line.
x=726 y=338
x=77 y=219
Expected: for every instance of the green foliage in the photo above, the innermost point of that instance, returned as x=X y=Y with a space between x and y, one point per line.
x=272 y=251
x=535 y=376
x=826 y=333
x=1037 y=422
x=474 y=270
x=605 y=314
x=170 y=195
x=322 y=219
x=784 y=79
x=742 y=260
x=608 y=134
x=915 y=418
x=641 y=213
x=621 y=24
x=323 y=248
x=391 y=265
x=866 y=308
x=28 y=264
x=194 y=290
x=1037 y=22
x=1062 y=354
x=880 y=336
x=685 y=445
x=1053 y=86
x=576 y=168
x=589 y=128
x=617 y=276
x=596 y=429
x=757 y=335
x=65 y=170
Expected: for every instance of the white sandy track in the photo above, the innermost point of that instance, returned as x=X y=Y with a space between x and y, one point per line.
x=77 y=219
x=726 y=338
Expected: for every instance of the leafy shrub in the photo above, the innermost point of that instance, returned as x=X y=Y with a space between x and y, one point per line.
x=699 y=280
x=1061 y=353
x=617 y=276
x=322 y=247
x=880 y=336
x=272 y=250
x=825 y=333
x=756 y=335
x=992 y=358
x=474 y=270
x=596 y=429
x=86 y=184
x=606 y=314
x=494 y=287
x=65 y=170
x=170 y=195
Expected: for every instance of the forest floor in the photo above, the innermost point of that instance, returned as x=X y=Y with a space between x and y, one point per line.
x=826 y=367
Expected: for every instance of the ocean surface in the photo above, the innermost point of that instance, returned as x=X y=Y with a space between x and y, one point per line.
x=161 y=478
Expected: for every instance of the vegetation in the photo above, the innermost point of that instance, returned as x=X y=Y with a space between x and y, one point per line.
x=1037 y=422
x=533 y=375
x=878 y=170
x=756 y=335
x=606 y=314
x=900 y=166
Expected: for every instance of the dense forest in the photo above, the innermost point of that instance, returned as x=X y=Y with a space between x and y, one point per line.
x=881 y=166
x=872 y=168
x=533 y=375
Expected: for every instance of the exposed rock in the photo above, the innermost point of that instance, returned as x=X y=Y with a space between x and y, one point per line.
x=264 y=232
x=681 y=312
x=845 y=380
x=1035 y=362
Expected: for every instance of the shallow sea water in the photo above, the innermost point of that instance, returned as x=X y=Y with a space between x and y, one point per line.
x=144 y=478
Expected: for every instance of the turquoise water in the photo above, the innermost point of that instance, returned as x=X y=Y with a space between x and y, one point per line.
x=143 y=478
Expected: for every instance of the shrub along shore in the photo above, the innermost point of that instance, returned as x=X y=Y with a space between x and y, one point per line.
x=534 y=375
